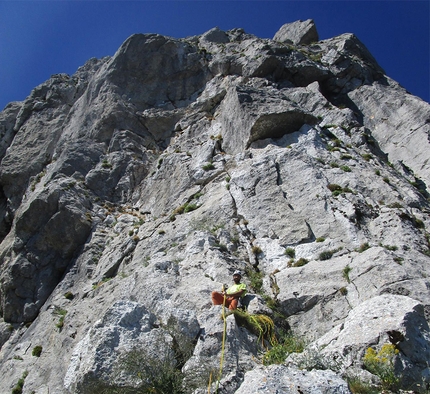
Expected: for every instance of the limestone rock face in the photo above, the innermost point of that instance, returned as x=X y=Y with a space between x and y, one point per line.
x=397 y=112
x=135 y=187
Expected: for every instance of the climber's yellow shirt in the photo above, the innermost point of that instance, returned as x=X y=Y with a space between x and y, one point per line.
x=235 y=288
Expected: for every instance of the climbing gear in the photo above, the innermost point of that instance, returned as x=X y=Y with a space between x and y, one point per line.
x=237 y=272
x=223 y=341
x=210 y=382
x=260 y=325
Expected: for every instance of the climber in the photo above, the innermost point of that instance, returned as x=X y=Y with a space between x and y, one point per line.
x=232 y=294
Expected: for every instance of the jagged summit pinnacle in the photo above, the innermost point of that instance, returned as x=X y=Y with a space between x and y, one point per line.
x=135 y=187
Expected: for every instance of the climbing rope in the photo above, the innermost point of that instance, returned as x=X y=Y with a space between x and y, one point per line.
x=210 y=382
x=223 y=343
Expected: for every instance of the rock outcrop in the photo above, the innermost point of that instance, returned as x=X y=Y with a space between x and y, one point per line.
x=297 y=33
x=135 y=187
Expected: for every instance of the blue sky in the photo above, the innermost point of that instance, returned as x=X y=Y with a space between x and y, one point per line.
x=41 y=38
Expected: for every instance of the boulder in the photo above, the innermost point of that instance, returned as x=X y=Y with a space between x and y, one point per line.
x=215 y=35
x=297 y=33
x=393 y=320
x=290 y=380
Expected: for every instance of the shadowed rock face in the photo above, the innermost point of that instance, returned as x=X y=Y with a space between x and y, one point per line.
x=153 y=70
x=133 y=188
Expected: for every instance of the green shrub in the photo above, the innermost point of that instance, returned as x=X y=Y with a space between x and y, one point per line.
x=326 y=255
x=392 y=248
x=395 y=205
x=366 y=156
x=20 y=384
x=418 y=223
x=256 y=250
x=345 y=273
x=282 y=349
x=313 y=358
x=106 y=164
x=275 y=355
x=425 y=252
x=315 y=57
x=337 y=189
x=61 y=313
x=290 y=252
x=358 y=386
x=179 y=210
x=256 y=280
x=345 y=168
x=320 y=239
x=333 y=187
x=363 y=247
x=190 y=207
x=221 y=247
x=271 y=302
x=208 y=166
x=138 y=223
x=300 y=262
x=37 y=351
x=69 y=295
x=187 y=207
x=398 y=260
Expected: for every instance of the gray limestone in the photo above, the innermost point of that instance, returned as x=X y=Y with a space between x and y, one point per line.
x=135 y=187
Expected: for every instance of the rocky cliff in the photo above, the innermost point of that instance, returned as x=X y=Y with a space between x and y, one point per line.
x=133 y=188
